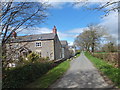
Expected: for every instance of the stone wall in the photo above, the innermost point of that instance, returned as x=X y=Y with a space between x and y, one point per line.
x=58 y=48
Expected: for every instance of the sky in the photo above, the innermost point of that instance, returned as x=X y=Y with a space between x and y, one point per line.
x=71 y=20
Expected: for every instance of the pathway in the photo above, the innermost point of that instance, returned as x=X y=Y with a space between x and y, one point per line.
x=82 y=74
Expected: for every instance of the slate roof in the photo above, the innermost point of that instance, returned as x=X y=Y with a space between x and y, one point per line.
x=48 y=36
x=64 y=43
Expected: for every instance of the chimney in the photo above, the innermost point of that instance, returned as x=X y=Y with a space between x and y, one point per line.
x=54 y=30
x=14 y=34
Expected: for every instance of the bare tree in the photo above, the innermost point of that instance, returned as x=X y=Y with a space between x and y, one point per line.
x=82 y=40
x=110 y=45
x=19 y=15
x=90 y=37
x=96 y=32
x=106 y=6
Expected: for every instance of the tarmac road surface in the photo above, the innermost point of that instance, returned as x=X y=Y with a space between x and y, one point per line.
x=81 y=74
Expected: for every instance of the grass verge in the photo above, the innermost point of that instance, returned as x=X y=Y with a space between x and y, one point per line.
x=110 y=71
x=49 y=78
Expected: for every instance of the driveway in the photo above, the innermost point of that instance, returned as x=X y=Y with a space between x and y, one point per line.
x=81 y=74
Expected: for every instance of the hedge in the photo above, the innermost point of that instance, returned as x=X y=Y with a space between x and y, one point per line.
x=110 y=71
x=18 y=77
x=109 y=57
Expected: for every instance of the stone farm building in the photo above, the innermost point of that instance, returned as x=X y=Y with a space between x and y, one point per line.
x=46 y=45
x=65 y=49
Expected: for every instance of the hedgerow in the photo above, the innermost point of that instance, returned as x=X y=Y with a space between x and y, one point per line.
x=20 y=76
x=111 y=72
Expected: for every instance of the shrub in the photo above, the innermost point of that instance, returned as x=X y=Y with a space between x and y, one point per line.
x=20 y=76
x=47 y=58
x=33 y=57
x=109 y=57
x=77 y=52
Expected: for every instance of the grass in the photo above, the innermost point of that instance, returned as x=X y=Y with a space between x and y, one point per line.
x=77 y=55
x=49 y=78
x=110 y=71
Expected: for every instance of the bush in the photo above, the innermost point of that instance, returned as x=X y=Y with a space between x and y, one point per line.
x=33 y=57
x=41 y=59
x=20 y=76
x=77 y=52
x=109 y=57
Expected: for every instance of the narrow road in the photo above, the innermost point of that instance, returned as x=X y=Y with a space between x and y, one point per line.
x=82 y=74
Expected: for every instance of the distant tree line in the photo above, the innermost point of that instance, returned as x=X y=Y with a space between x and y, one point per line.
x=93 y=39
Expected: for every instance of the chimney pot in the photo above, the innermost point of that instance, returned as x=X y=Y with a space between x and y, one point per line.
x=54 y=30
x=14 y=34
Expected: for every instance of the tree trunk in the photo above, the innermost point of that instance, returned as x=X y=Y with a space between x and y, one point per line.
x=93 y=47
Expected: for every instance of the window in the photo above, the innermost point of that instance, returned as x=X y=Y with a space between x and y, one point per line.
x=38 y=44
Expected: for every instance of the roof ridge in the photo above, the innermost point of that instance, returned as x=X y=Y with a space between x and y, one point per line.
x=35 y=34
x=45 y=36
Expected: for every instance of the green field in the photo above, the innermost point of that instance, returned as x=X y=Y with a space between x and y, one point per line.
x=110 y=71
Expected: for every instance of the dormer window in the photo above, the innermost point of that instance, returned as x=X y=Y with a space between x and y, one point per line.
x=38 y=44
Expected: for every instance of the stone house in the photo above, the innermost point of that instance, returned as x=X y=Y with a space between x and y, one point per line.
x=46 y=45
x=65 y=50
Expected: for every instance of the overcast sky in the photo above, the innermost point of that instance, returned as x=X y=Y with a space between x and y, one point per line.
x=71 y=20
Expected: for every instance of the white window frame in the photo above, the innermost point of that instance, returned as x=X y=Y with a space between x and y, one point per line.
x=38 y=44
